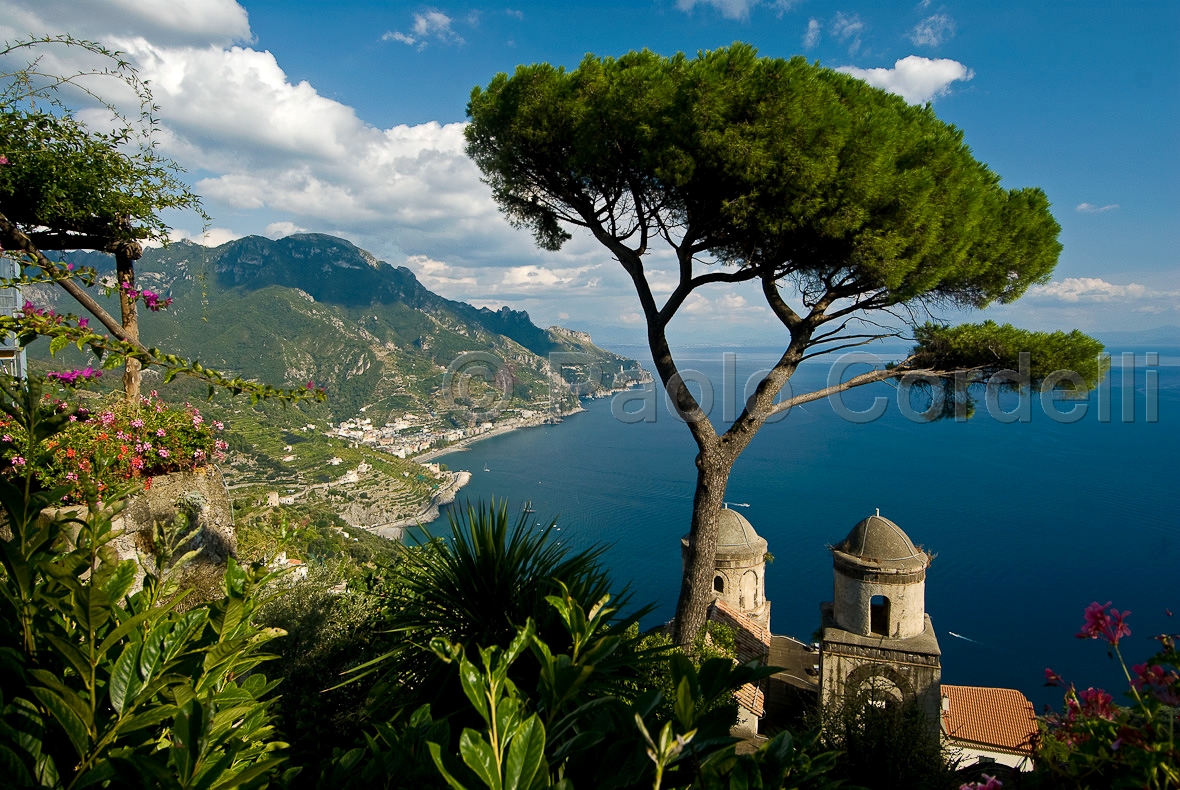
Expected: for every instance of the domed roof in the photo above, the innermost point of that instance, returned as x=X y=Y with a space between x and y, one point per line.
x=736 y=535
x=878 y=541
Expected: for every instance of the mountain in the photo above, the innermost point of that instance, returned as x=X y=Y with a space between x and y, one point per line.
x=315 y=307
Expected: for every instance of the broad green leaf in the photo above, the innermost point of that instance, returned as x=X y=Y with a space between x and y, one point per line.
x=69 y=720
x=13 y=769
x=479 y=757
x=79 y=662
x=436 y=755
x=124 y=684
x=475 y=687
x=57 y=344
x=684 y=707
x=525 y=753
x=121 y=580
x=258 y=769
x=146 y=718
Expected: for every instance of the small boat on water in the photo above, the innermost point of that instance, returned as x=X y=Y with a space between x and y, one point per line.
x=485 y=468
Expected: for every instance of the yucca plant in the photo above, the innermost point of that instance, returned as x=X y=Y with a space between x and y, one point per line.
x=476 y=588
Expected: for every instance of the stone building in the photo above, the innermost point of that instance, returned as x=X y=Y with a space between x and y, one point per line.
x=739 y=575
x=877 y=641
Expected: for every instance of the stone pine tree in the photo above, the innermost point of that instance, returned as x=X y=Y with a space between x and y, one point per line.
x=65 y=185
x=850 y=209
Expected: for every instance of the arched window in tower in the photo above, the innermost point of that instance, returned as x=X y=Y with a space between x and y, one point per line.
x=719 y=584
x=879 y=615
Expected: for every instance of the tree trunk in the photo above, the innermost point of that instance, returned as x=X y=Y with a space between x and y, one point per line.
x=125 y=277
x=696 y=585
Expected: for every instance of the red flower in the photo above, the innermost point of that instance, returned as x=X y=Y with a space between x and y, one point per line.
x=1096 y=702
x=1110 y=626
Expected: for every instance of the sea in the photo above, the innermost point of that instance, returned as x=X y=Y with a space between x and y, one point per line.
x=1032 y=510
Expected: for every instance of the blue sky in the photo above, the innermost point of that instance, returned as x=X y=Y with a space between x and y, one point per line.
x=346 y=119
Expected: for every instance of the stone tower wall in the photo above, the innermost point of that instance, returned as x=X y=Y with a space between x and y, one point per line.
x=853 y=598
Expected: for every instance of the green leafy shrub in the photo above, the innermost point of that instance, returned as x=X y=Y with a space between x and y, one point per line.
x=101 y=687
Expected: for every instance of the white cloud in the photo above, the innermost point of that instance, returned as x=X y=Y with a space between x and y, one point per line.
x=209 y=237
x=1090 y=208
x=698 y=305
x=1095 y=289
x=397 y=35
x=531 y=276
x=630 y=318
x=277 y=156
x=430 y=25
x=915 y=79
x=933 y=31
x=735 y=9
x=515 y=13
x=848 y=28
x=277 y=230
x=174 y=23
x=811 y=37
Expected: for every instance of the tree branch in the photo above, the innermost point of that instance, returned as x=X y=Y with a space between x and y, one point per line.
x=14 y=239
x=856 y=381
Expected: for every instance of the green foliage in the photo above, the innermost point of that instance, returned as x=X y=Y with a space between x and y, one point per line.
x=763 y=163
x=63 y=175
x=476 y=588
x=989 y=347
x=889 y=747
x=328 y=631
x=102 y=685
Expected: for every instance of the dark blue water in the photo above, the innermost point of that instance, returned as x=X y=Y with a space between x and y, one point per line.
x=1030 y=522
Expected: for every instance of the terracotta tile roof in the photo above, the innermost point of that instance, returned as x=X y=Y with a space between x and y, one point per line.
x=1000 y=718
x=753 y=643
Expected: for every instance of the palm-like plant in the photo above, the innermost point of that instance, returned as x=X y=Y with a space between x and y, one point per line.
x=477 y=588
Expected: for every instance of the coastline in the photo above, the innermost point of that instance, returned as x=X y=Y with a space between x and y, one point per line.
x=429 y=512
x=463 y=444
x=445 y=496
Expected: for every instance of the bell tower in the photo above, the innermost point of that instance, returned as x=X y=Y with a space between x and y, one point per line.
x=739 y=571
x=878 y=644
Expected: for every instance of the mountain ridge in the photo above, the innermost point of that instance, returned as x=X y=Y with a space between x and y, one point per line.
x=316 y=307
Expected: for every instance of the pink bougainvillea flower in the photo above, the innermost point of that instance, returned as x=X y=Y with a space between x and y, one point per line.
x=1099 y=623
x=83 y=323
x=987 y=783
x=3 y=159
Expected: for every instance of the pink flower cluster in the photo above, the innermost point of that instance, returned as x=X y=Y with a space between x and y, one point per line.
x=152 y=300
x=1154 y=679
x=987 y=783
x=1109 y=626
x=73 y=378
